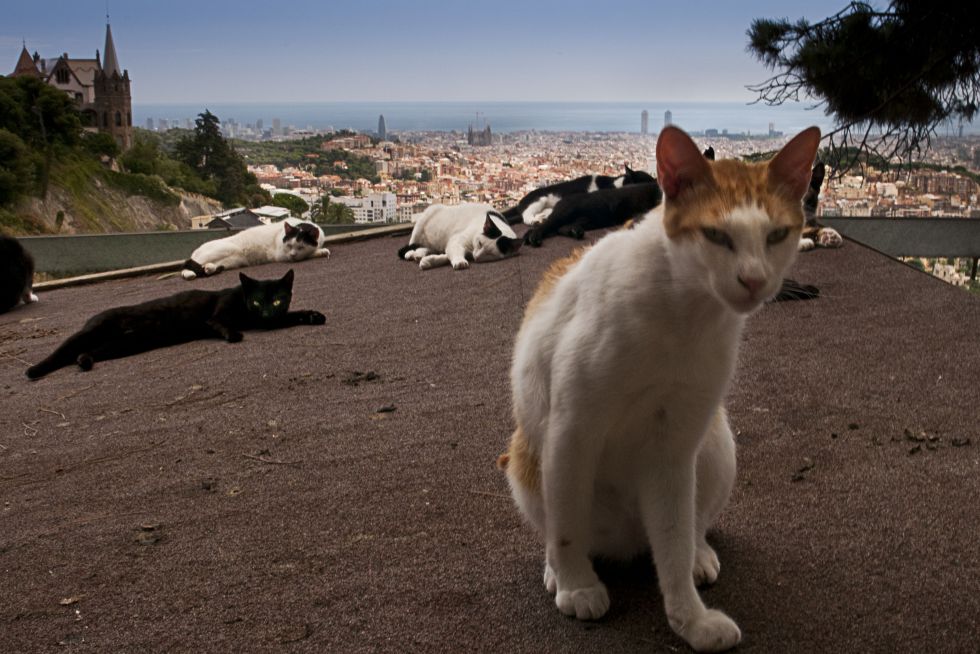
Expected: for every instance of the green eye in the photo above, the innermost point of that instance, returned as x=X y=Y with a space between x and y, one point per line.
x=276 y=303
x=718 y=237
x=777 y=235
x=256 y=303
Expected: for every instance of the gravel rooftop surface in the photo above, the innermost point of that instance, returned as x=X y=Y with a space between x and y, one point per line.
x=333 y=489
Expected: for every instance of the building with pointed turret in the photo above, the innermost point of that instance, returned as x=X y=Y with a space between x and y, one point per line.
x=100 y=88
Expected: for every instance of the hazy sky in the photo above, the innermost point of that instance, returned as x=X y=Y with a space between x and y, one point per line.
x=291 y=51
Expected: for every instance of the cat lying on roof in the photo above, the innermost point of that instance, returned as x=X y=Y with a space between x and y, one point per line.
x=286 y=241
x=459 y=234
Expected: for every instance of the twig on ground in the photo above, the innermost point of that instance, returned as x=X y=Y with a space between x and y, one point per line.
x=52 y=411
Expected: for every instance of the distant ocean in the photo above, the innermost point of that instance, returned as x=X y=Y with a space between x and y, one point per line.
x=735 y=117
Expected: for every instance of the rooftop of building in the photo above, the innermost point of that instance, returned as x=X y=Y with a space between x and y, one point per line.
x=333 y=488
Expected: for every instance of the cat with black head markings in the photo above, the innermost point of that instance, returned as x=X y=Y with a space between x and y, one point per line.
x=285 y=241
x=620 y=370
x=180 y=318
x=458 y=234
x=538 y=204
x=16 y=274
x=816 y=234
x=611 y=207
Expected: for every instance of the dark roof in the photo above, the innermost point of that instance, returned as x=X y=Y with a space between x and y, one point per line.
x=254 y=497
x=239 y=220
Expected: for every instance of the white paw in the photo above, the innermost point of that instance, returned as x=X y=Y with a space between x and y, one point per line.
x=209 y=268
x=323 y=252
x=829 y=238
x=31 y=299
x=589 y=603
x=712 y=632
x=550 y=583
x=425 y=263
x=461 y=265
x=706 y=565
x=806 y=244
x=188 y=274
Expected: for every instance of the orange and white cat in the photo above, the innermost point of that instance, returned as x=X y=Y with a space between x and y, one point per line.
x=620 y=372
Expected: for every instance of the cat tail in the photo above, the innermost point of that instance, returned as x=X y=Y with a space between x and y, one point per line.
x=192 y=269
x=793 y=290
x=66 y=354
x=513 y=215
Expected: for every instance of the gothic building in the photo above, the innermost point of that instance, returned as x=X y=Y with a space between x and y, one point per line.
x=99 y=87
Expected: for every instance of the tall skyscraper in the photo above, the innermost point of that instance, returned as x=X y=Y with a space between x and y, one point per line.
x=276 y=126
x=382 y=128
x=668 y=118
x=644 y=122
x=258 y=125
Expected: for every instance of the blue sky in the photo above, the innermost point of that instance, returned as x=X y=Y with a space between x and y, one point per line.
x=247 y=51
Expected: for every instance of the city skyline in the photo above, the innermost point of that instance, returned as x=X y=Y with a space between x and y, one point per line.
x=438 y=50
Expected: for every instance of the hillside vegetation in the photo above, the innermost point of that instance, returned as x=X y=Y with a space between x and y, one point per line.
x=57 y=178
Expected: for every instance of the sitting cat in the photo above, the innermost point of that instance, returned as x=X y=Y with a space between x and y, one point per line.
x=289 y=240
x=16 y=274
x=180 y=318
x=457 y=234
x=536 y=205
x=575 y=214
x=620 y=371
x=814 y=233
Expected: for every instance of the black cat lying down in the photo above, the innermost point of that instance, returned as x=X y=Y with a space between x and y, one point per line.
x=610 y=207
x=180 y=318
x=536 y=205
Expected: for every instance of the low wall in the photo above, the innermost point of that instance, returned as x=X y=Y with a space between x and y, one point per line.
x=62 y=256
x=913 y=237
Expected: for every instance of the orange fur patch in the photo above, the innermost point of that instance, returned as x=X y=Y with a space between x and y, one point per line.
x=520 y=462
x=733 y=184
x=551 y=276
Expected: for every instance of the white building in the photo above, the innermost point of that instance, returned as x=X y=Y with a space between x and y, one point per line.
x=376 y=208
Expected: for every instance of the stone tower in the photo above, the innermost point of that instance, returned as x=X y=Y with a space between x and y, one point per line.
x=113 y=102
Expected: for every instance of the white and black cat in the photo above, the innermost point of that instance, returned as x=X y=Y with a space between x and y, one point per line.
x=285 y=241
x=576 y=214
x=536 y=205
x=180 y=318
x=458 y=234
x=16 y=274
x=620 y=371
x=816 y=234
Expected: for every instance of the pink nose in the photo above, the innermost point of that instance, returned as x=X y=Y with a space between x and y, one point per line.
x=754 y=284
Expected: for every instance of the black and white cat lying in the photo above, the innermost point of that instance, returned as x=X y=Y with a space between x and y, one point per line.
x=611 y=207
x=286 y=241
x=458 y=234
x=16 y=274
x=538 y=204
x=180 y=318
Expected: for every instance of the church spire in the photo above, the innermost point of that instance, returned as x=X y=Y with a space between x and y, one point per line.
x=111 y=64
x=25 y=64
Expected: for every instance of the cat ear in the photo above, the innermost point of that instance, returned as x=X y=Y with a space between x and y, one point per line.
x=709 y=154
x=790 y=170
x=245 y=280
x=490 y=229
x=288 y=278
x=680 y=164
x=288 y=231
x=629 y=171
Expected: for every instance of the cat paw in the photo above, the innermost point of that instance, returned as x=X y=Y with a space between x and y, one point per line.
x=323 y=252
x=576 y=232
x=706 y=565
x=85 y=362
x=316 y=318
x=713 y=631
x=829 y=238
x=31 y=298
x=426 y=262
x=461 y=265
x=533 y=238
x=210 y=269
x=188 y=274
x=589 y=603
x=550 y=581
x=806 y=244
x=233 y=337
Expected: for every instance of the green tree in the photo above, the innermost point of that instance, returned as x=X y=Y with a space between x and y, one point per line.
x=16 y=168
x=207 y=153
x=296 y=205
x=100 y=144
x=889 y=77
x=326 y=212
